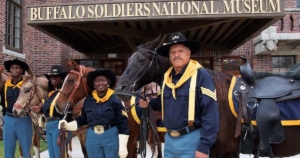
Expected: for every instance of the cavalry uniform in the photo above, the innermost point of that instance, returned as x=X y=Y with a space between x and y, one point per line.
x=15 y=128
x=106 y=119
x=183 y=139
x=52 y=117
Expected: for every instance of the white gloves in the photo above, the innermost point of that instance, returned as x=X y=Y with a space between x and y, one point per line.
x=70 y=126
x=123 y=139
x=42 y=121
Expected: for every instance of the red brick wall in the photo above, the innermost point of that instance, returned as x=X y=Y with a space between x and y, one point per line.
x=2 y=27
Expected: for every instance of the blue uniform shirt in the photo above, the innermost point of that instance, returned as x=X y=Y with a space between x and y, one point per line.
x=46 y=108
x=206 y=108
x=12 y=95
x=107 y=113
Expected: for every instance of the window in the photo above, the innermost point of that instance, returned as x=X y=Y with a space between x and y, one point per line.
x=87 y=63
x=231 y=65
x=206 y=62
x=13 y=25
x=282 y=63
x=298 y=3
x=116 y=65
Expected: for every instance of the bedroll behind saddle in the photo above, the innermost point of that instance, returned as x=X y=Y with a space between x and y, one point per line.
x=257 y=94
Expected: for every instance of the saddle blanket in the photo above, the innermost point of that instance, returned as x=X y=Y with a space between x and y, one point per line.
x=136 y=112
x=289 y=110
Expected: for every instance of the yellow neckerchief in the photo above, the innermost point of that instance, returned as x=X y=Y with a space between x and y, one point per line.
x=191 y=68
x=52 y=105
x=50 y=93
x=9 y=84
x=53 y=101
x=105 y=98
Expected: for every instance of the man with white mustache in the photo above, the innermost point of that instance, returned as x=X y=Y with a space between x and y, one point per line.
x=188 y=102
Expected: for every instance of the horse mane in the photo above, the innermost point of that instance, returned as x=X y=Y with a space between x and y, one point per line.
x=39 y=79
x=221 y=85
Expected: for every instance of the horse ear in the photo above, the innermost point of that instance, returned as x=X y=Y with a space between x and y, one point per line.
x=156 y=42
x=69 y=63
x=30 y=74
x=1 y=69
x=75 y=65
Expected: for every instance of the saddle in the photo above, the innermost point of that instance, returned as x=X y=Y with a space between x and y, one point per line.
x=257 y=94
x=250 y=76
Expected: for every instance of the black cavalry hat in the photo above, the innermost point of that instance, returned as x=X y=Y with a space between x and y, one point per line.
x=22 y=64
x=56 y=71
x=101 y=72
x=178 y=38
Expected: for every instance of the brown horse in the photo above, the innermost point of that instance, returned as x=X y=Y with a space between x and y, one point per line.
x=78 y=93
x=32 y=91
x=72 y=95
x=151 y=67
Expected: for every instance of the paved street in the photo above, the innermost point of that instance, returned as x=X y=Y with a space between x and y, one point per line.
x=76 y=153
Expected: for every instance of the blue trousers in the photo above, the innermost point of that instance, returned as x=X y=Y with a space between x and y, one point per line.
x=184 y=146
x=17 y=129
x=105 y=145
x=52 y=133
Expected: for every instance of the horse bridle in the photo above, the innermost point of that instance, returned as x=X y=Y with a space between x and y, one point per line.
x=77 y=84
x=26 y=108
x=153 y=59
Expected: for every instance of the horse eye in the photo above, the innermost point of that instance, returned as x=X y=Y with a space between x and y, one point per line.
x=142 y=59
x=26 y=90
x=71 y=81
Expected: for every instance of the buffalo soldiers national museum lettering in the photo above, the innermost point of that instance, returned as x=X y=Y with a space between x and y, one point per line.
x=108 y=32
x=104 y=11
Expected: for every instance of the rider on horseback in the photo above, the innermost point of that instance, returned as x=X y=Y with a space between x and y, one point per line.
x=190 y=110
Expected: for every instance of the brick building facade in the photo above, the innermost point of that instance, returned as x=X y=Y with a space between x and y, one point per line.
x=41 y=51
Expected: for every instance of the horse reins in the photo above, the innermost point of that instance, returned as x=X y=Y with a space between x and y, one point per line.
x=32 y=93
x=154 y=58
x=77 y=84
x=69 y=102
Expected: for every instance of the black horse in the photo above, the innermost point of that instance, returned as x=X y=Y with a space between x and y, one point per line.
x=145 y=66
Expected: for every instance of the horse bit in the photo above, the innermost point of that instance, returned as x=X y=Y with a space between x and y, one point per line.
x=77 y=84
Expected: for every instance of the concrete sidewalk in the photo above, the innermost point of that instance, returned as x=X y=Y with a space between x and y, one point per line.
x=77 y=153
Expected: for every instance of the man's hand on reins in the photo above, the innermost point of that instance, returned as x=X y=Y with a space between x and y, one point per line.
x=35 y=108
x=144 y=103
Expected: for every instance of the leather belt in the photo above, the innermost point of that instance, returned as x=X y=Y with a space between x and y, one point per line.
x=9 y=114
x=12 y=115
x=99 y=129
x=54 y=118
x=182 y=131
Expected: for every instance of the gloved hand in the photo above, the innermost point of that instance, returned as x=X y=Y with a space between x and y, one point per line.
x=42 y=121
x=70 y=126
x=123 y=139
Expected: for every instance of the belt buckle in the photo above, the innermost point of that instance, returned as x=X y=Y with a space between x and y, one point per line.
x=174 y=133
x=99 y=129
